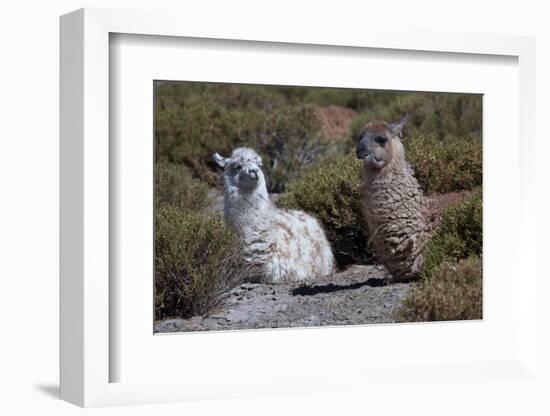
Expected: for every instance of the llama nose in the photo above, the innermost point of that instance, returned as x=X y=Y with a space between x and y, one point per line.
x=361 y=152
x=253 y=173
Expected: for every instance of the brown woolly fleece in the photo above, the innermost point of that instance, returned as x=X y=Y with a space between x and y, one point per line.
x=396 y=212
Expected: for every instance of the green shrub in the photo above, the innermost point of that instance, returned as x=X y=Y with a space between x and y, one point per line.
x=453 y=293
x=230 y=96
x=437 y=114
x=196 y=260
x=190 y=129
x=459 y=235
x=331 y=192
x=347 y=97
x=175 y=186
x=194 y=120
x=452 y=164
x=289 y=140
x=451 y=285
x=190 y=132
x=442 y=138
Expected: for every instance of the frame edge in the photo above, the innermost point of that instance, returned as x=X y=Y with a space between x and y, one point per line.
x=71 y=219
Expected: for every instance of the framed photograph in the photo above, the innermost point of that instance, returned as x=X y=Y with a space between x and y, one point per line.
x=269 y=212
x=299 y=225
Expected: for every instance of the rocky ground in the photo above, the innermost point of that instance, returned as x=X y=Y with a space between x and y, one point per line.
x=356 y=296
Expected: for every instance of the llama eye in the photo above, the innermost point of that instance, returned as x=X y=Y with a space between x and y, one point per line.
x=380 y=140
x=237 y=166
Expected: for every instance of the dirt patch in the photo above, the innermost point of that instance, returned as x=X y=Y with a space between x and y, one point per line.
x=336 y=122
x=438 y=203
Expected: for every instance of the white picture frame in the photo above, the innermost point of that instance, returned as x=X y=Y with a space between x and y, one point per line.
x=86 y=354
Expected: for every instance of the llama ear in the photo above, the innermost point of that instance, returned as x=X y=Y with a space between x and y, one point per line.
x=397 y=127
x=220 y=160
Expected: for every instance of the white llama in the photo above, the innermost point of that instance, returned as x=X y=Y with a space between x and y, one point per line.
x=279 y=246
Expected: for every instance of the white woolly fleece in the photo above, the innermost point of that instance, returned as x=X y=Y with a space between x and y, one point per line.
x=280 y=246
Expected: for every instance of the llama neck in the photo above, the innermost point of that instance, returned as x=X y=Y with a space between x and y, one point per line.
x=394 y=190
x=245 y=209
x=397 y=172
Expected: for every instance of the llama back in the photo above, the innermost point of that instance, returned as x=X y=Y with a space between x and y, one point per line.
x=300 y=250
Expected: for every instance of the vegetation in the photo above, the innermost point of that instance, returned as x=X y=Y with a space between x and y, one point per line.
x=451 y=286
x=358 y=100
x=453 y=293
x=460 y=234
x=196 y=255
x=192 y=127
x=446 y=165
x=194 y=120
x=174 y=185
x=331 y=192
x=440 y=115
x=197 y=259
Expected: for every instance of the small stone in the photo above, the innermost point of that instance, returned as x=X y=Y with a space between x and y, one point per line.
x=313 y=320
x=282 y=307
x=236 y=316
